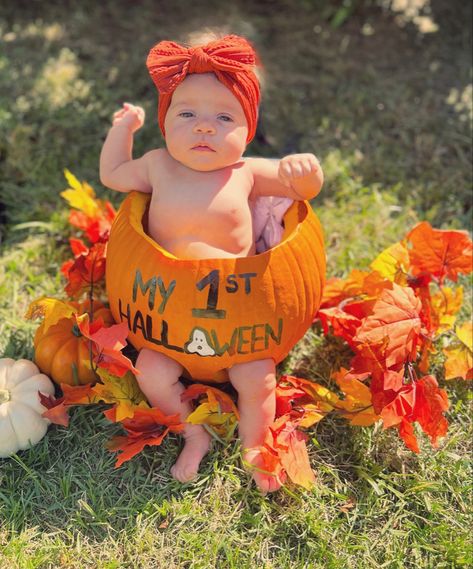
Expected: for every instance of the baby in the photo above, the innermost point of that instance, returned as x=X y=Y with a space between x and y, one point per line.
x=202 y=190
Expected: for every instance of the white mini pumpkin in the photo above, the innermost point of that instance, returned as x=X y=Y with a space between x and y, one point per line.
x=21 y=424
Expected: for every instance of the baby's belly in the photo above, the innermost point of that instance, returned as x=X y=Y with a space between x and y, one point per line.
x=195 y=248
x=202 y=250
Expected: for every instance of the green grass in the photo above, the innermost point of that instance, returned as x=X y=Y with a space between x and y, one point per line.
x=387 y=109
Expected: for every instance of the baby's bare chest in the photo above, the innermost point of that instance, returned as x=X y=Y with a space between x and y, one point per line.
x=217 y=202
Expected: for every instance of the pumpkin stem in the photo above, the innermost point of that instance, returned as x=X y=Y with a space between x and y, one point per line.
x=4 y=396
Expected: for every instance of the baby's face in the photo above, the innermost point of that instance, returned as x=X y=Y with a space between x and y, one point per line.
x=205 y=125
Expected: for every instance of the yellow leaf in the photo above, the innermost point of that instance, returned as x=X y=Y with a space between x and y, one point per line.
x=357 y=406
x=81 y=196
x=124 y=391
x=393 y=263
x=459 y=361
x=445 y=304
x=209 y=413
x=51 y=309
x=312 y=415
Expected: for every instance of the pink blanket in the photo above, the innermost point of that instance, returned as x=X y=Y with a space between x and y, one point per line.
x=268 y=213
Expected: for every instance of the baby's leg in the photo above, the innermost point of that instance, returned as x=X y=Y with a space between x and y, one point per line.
x=256 y=386
x=159 y=381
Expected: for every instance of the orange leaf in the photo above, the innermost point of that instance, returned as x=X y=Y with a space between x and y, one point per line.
x=147 y=427
x=396 y=317
x=402 y=406
x=87 y=269
x=406 y=432
x=290 y=444
x=57 y=411
x=440 y=253
x=107 y=344
x=430 y=404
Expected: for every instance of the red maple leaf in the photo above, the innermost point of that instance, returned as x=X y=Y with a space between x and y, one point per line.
x=147 y=427
x=57 y=411
x=107 y=343
x=87 y=269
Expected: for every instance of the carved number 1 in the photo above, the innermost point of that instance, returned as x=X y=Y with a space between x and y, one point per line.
x=213 y=280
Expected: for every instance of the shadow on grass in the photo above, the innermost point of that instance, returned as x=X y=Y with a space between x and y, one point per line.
x=395 y=97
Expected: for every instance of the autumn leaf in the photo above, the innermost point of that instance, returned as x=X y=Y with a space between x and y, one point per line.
x=443 y=254
x=396 y=317
x=401 y=407
x=209 y=414
x=79 y=394
x=317 y=392
x=56 y=410
x=406 y=432
x=393 y=263
x=445 y=304
x=107 y=343
x=459 y=362
x=357 y=284
x=51 y=309
x=290 y=445
x=430 y=404
x=87 y=269
x=96 y=228
x=80 y=195
x=124 y=392
x=357 y=402
x=216 y=410
x=147 y=427
x=342 y=323
x=196 y=390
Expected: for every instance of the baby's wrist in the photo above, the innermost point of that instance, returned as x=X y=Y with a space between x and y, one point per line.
x=122 y=126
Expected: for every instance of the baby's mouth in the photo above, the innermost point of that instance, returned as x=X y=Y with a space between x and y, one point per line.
x=202 y=147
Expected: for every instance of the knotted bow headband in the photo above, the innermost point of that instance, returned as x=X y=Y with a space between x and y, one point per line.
x=231 y=58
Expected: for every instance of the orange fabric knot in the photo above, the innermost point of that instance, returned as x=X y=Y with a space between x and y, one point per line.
x=232 y=59
x=199 y=61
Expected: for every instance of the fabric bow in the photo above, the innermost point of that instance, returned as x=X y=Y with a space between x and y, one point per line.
x=232 y=59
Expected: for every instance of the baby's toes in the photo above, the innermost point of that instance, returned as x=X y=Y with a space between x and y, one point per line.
x=182 y=474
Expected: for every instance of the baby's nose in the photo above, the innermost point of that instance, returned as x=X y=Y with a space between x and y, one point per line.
x=205 y=127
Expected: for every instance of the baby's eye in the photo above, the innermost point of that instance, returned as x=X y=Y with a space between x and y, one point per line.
x=225 y=118
x=186 y=114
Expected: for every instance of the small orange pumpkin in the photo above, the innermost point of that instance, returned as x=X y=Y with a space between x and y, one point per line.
x=63 y=353
x=209 y=314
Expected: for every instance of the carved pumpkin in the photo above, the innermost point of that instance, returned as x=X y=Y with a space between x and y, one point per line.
x=21 y=424
x=210 y=314
x=63 y=353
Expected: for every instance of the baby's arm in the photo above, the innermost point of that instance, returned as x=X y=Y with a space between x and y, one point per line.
x=297 y=176
x=118 y=170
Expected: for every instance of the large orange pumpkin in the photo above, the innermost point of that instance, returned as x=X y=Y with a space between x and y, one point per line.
x=210 y=314
x=62 y=352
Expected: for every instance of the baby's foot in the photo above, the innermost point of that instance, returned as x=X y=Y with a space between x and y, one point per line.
x=265 y=482
x=196 y=446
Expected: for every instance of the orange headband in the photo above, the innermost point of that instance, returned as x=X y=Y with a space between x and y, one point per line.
x=231 y=58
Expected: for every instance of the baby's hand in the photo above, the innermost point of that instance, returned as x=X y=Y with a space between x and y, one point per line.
x=297 y=167
x=129 y=116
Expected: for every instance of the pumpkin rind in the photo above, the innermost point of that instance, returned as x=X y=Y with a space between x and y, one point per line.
x=21 y=424
x=233 y=310
x=58 y=350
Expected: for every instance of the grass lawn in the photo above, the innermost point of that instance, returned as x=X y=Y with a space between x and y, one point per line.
x=384 y=99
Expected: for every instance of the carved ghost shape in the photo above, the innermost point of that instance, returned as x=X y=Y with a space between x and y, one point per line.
x=199 y=343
